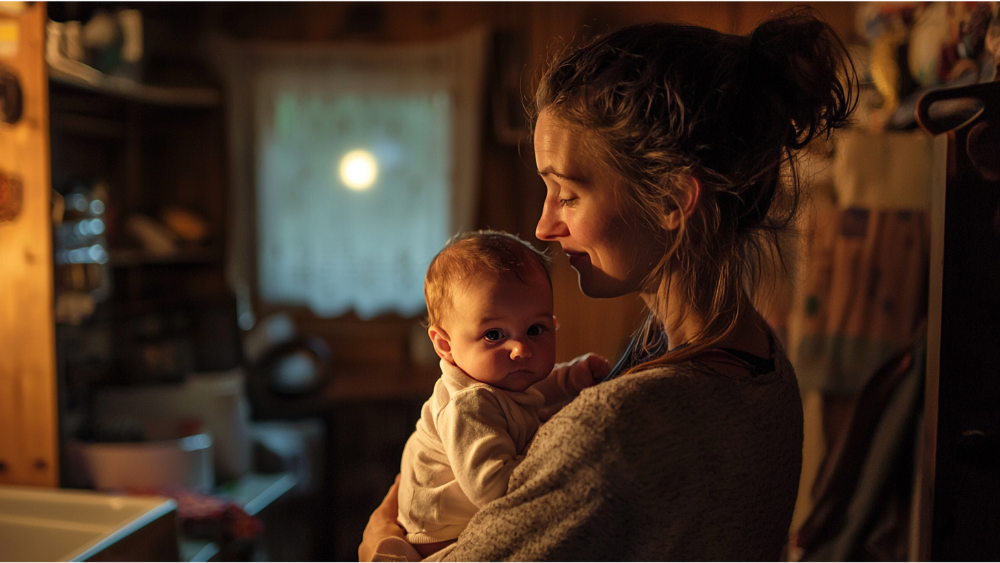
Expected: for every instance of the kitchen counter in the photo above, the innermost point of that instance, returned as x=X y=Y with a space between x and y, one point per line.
x=254 y=492
x=43 y=524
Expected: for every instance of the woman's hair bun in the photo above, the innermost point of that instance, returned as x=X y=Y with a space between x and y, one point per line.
x=795 y=56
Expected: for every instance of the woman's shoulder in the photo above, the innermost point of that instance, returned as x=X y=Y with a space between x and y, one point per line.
x=625 y=402
x=680 y=397
x=701 y=374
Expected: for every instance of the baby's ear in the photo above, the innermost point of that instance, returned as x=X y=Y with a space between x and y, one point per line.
x=442 y=344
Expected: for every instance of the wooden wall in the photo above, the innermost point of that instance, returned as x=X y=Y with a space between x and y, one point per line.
x=510 y=198
x=28 y=402
x=368 y=355
x=511 y=193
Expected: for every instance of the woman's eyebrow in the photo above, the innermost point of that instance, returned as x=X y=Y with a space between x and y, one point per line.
x=549 y=171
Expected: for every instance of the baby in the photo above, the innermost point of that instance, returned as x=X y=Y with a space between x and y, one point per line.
x=489 y=309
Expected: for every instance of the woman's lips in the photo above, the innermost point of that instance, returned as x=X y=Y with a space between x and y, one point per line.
x=576 y=257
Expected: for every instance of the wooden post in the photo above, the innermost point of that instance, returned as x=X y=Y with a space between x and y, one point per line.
x=28 y=391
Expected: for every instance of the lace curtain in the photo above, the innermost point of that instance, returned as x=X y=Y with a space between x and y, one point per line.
x=413 y=109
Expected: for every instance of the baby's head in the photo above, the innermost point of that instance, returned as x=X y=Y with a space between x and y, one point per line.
x=489 y=309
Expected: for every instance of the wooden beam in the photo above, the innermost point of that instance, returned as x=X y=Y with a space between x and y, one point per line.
x=28 y=391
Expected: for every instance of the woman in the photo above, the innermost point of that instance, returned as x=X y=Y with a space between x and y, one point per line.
x=668 y=157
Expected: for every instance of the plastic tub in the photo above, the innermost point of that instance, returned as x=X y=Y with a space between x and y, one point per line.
x=186 y=462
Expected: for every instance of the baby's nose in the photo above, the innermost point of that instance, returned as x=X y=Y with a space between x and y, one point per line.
x=520 y=351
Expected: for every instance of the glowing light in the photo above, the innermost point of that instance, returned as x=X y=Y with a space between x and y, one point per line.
x=358 y=170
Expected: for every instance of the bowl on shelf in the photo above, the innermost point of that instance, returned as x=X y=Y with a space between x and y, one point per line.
x=186 y=462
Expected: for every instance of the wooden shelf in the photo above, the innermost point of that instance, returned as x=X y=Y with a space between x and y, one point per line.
x=135 y=257
x=88 y=126
x=127 y=89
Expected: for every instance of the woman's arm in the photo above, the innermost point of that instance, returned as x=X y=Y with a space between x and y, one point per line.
x=568 y=500
x=561 y=503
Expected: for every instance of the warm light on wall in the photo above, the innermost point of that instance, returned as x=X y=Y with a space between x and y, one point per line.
x=358 y=170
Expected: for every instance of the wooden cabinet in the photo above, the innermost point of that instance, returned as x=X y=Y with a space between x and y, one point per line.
x=958 y=500
x=140 y=296
x=145 y=151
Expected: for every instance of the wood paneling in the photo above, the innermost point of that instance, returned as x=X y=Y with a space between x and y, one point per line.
x=28 y=404
x=511 y=193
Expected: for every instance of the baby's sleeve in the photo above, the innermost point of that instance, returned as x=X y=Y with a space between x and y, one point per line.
x=482 y=454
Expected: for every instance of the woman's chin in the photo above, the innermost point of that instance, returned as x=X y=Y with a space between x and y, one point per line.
x=600 y=286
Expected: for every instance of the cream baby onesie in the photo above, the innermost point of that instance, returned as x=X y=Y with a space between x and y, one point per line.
x=468 y=441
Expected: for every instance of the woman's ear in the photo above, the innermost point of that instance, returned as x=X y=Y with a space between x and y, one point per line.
x=442 y=344
x=689 y=194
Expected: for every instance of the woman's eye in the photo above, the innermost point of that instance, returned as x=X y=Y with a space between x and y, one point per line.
x=493 y=335
x=568 y=202
x=535 y=330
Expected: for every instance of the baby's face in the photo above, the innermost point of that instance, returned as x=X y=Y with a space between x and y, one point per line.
x=502 y=332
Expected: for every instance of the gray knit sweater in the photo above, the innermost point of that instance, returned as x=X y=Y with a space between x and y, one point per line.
x=675 y=463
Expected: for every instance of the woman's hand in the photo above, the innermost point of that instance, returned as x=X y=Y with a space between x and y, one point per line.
x=382 y=524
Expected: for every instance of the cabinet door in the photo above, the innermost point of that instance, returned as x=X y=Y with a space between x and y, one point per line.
x=28 y=404
x=959 y=496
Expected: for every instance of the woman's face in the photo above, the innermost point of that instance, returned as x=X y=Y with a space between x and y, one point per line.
x=611 y=249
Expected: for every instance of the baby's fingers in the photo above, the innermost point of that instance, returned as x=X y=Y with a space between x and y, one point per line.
x=599 y=366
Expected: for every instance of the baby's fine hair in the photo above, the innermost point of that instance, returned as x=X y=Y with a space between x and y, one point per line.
x=470 y=255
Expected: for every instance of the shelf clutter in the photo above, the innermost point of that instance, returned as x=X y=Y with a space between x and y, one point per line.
x=105 y=56
x=138 y=159
x=129 y=89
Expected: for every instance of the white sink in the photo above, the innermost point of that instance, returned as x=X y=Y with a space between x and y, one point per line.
x=39 y=524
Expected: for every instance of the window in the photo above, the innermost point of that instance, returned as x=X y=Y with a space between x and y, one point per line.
x=363 y=163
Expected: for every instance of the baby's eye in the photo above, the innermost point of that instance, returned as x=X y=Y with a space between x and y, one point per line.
x=535 y=330
x=493 y=334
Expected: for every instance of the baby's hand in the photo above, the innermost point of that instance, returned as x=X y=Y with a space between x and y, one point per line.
x=587 y=370
x=568 y=379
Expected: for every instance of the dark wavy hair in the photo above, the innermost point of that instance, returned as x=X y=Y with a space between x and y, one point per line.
x=660 y=103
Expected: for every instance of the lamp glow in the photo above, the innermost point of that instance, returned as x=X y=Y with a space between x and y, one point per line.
x=358 y=170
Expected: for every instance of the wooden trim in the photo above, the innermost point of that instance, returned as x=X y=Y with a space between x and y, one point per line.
x=922 y=515
x=28 y=392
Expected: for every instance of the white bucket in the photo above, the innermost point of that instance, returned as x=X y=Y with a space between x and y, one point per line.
x=217 y=400
x=186 y=462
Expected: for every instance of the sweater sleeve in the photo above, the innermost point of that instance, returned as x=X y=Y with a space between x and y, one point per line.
x=553 y=509
x=480 y=450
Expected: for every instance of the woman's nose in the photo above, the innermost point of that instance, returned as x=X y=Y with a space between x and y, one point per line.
x=550 y=224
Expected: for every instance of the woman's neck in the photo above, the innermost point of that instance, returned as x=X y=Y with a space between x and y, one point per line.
x=682 y=323
x=679 y=318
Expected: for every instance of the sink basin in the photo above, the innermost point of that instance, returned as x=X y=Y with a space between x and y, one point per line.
x=67 y=525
